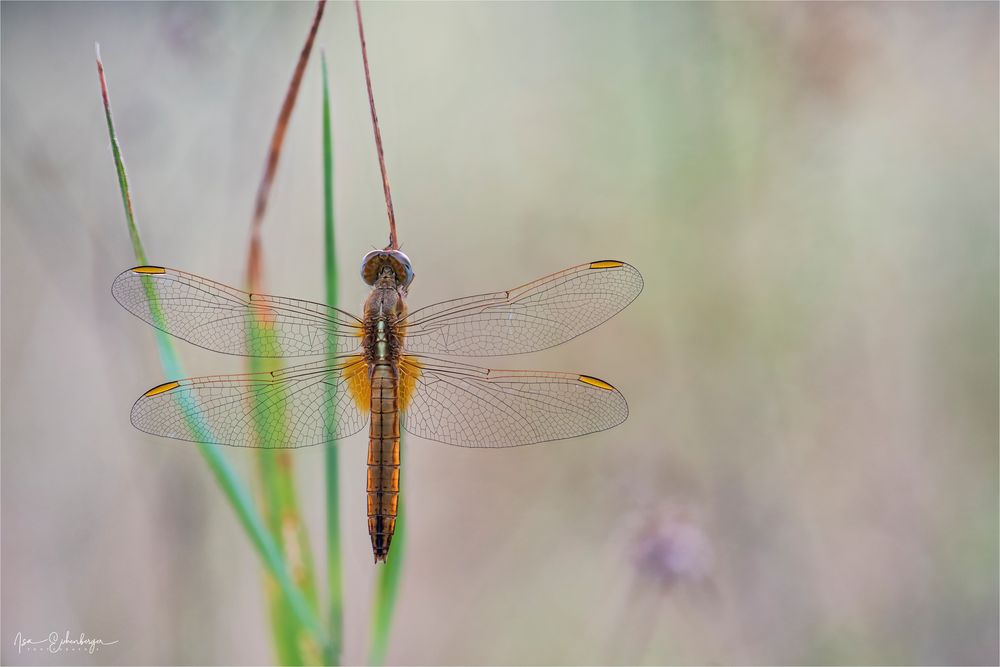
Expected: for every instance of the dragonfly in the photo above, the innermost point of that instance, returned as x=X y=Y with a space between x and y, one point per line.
x=388 y=369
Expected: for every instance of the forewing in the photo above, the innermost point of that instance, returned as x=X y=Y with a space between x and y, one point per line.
x=468 y=406
x=221 y=318
x=541 y=314
x=294 y=407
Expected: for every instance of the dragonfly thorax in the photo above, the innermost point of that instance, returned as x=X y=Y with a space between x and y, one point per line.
x=383 y=310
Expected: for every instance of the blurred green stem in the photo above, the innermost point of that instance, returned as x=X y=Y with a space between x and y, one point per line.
x=285 y=523
x=333 y=562
x=386 y=588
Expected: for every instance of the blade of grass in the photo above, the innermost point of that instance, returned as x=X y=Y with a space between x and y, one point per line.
x=281 y=515
x=331 y=456
x=292 y=645
x=276 y=468
x=386 y=588
x=235 y=492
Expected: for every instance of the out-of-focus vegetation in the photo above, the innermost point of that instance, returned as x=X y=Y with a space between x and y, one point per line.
x=298 y=635
x=809 y=470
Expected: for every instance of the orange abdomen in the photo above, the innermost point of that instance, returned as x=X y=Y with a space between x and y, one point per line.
x=383 y=458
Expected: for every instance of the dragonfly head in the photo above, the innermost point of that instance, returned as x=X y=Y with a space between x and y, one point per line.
x=377 y=262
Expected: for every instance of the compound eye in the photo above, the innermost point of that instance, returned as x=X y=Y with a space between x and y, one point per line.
x=406 y=277
x=370 y=265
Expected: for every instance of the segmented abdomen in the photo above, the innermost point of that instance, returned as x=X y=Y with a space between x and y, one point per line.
x=383 y=458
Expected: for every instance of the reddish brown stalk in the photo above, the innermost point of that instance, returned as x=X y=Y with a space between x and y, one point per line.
x=274 y=152
x=393 y=243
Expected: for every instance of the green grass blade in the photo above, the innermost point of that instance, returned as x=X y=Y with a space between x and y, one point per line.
x=284 y=629
x=133 y=229
x=283 y=519
x=386 y=589
x=225 y=476
x=276 y=470
x=331 y=457
x=293 y=645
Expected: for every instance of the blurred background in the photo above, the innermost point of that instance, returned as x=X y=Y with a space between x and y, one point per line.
x=809 y=472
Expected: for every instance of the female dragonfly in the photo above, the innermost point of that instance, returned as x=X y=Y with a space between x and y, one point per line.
x=381 y=367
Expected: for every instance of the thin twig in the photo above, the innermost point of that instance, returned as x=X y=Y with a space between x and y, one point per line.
x=274 y=152
x=393 y=243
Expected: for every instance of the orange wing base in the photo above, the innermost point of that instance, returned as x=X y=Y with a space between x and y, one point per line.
x=409 y=372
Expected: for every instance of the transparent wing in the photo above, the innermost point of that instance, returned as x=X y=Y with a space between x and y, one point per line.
x=465 y=405
x=223 y=319
x=294 y=407
x=541 y=314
